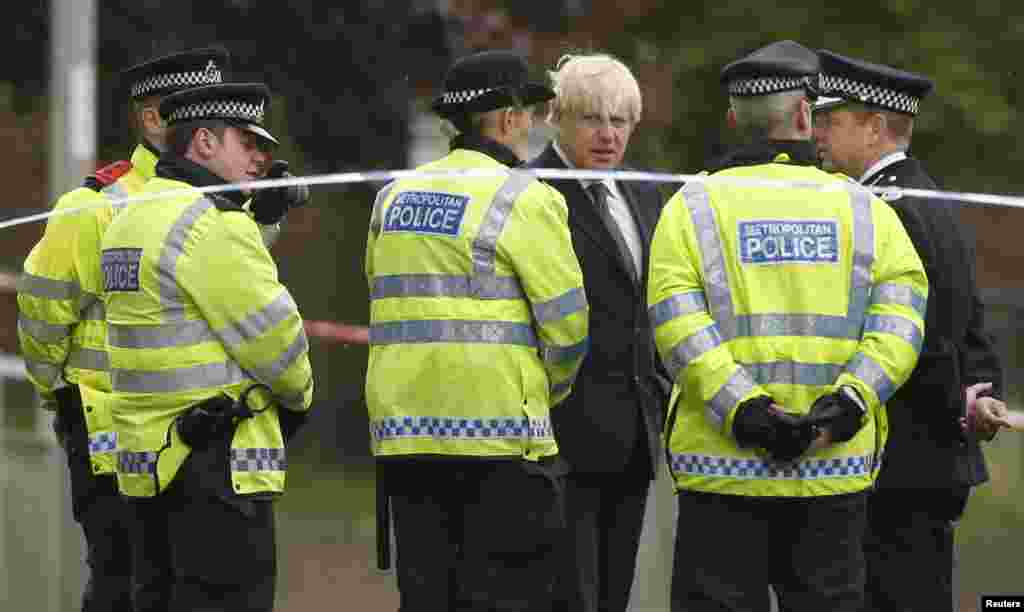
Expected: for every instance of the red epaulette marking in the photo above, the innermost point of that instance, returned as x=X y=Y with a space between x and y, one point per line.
x=110 y=173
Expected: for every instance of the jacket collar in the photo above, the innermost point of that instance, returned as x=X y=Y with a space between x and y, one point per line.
x=177 y=168
x=487 y=146
x=798 y=152
x=144 y=159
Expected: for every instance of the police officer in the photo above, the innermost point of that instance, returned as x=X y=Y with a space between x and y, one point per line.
x=787 y=317
x=863 y=128
x=478 y=327
x=61 y=328
x=209 y=366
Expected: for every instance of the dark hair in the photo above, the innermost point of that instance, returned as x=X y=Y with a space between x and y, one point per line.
x=179 y=135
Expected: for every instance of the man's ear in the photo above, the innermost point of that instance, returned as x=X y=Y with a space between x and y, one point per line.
x=730 y=119
x=204 y=141
x=877 y=125
x=151 y=120
x=804 y=119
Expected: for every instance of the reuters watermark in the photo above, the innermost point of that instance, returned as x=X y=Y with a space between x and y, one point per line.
x=1002 y=602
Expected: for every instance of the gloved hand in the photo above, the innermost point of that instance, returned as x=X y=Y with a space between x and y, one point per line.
x=841 y=413
x=270 y=205
x=785 y=436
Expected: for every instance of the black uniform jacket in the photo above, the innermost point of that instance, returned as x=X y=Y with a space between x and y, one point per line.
x=926 y=448
x=619 y=397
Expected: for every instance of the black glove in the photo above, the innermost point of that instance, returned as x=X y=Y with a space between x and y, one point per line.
x=785 y=436
x=270 y=205
x=210 y=420
x=841 y=413
x=290 y=421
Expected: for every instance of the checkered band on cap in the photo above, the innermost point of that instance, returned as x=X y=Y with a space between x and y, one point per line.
x=870 y=94
x=464 y=96
x=762 y=86
x=175 y=81
x=219 y=109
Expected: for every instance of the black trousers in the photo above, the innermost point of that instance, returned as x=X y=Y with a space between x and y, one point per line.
x=910 y=549
x=198 y=550
x=730 y=549
x=475 y=535
x=98 y=508
x=605 y=514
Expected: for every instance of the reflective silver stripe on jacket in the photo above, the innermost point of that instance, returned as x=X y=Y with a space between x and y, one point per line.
x=116 y=190
x=174 y=245
x=485 y=244
x=47 y=333
x=719 y=294
x=573 y=300
x=735 y=389
x=691 y=348
x=894 y=293
x=868 y=370
x=460 y=428
x=377 y=216
x=163 y=335
x=441 y=285
x=259 y=322
x=747 y=469
x=793 y=373
x=177 y=379
x=258 y=460
x=47 y=288
x=896 y=326
x=136 y=463
x=271 y=372
x=88 y=359
x=678 y=305
x=416 y=332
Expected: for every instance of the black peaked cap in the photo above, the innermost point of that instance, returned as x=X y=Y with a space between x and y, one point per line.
x=845 y=79
x=172 y=73
x=243 y=105
x=782 y=66
x=487 y=81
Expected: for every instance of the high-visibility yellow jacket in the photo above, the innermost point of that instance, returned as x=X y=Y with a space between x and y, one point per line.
x=478 y=315
x=787 y=292
x=195 y=309
x=61 y=320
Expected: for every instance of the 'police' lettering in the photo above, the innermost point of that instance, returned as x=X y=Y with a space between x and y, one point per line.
x=121 y=269
x=426 y=212
x=774 y=242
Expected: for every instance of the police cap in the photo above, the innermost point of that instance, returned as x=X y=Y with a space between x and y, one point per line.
x=844 y=79
x=487 y=81
x=171 y=73
x=782 y=66
x=242 y=105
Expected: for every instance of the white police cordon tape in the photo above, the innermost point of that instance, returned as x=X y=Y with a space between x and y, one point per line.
x=384 y=176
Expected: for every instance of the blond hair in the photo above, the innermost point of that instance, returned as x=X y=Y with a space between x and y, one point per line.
x=595 y=83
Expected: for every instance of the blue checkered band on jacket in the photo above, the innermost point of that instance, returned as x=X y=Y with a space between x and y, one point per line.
x=466 y=95
x=219 y=109
x=444 y=428
x=870 y=94
x=258 y=460
x=177 y=81
x=103 y=442
x=762 y=86
x=136 y=463
x=810 y=469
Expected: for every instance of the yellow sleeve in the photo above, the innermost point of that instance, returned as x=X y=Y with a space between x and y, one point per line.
x=894 y=325
x=537 y=241
x=233 y=281
x=54 y=289
x=687 y=337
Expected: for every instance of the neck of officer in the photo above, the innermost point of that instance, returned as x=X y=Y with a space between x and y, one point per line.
x=886 y=148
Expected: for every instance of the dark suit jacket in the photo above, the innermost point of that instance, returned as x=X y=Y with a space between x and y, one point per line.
x=618 y=400
x=926 y=448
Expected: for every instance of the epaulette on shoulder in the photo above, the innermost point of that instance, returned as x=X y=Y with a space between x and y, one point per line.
x=107 y=175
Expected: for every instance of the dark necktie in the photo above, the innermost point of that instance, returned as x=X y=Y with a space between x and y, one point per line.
x=599 y=192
